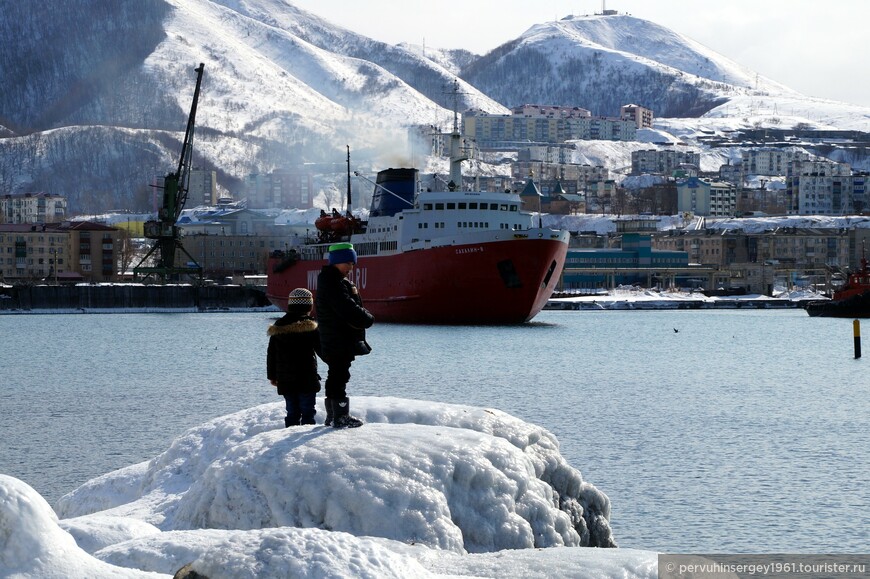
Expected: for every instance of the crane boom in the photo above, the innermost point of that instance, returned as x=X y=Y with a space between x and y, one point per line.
x=183 y=171
x=164 y=232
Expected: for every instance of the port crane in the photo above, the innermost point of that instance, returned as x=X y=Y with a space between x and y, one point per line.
x=163 y=230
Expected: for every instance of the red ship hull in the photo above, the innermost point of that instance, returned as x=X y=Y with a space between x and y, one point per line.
x=494 y=282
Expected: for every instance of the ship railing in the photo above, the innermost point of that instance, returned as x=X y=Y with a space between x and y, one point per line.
x=313 y=252
x=366 y=248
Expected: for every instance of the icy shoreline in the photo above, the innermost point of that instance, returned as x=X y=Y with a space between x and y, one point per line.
x=639 y=299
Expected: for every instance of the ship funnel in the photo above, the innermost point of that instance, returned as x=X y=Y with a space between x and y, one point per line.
x=395 y=190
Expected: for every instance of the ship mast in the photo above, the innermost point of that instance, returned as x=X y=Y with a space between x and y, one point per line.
x=456 y=155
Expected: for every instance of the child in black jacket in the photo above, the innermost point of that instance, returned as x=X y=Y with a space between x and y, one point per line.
x=291 y=359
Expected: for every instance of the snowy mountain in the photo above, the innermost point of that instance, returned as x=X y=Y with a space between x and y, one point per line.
x=603 y=62
x=96 y=93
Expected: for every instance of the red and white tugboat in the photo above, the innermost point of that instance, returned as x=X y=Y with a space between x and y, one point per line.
x=852 y=300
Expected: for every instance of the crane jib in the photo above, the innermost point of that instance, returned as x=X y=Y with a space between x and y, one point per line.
x=166 y=236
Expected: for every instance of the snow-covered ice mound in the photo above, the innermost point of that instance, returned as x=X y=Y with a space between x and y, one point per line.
x=451 y=477
x=422 y=489
x=33 y=545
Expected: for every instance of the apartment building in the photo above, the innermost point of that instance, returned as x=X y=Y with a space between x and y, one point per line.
x=58 y=252
x=605 y=129
x=642 y=117
x=769 y=160
x=565 y=172
x=32 y=208
x=542 y=124
x=556 y=154
x=280 y=189
x=732 y=173
x=203 y=188
x=823 y=188
x=662 y=162
x=706 y=197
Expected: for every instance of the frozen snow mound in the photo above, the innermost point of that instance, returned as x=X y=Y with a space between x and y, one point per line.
x=33 y=545
x=449 y=477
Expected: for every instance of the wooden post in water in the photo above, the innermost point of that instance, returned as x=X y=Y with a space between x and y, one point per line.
x=856 y=330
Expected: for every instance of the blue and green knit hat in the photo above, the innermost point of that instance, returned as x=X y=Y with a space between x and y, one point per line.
x=341 y=253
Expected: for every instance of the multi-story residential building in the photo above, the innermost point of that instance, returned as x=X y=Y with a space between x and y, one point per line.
x=284 y=189
x=489 y=130
x=821 y=188
x=662 y=162
x=705 y=247
x=68 y=251
x=542 y=124
x=32 y=208
x=641 y=116
x=556 y=154
x=706 y=197
x=94 y=250
x=585 y=173
x=732 y=173
x=203 y=188
x=32 y=252
x=526 y=123
x=770 y=160
x=605 y=129
x=547 y=124
x=573 y=177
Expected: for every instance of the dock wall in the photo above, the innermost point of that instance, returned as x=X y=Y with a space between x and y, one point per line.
x=134 y=296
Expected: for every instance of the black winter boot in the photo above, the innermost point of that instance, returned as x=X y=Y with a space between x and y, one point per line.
x=328 y=403
x=341 y=414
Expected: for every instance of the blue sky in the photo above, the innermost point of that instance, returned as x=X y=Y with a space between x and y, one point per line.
x=813 y=46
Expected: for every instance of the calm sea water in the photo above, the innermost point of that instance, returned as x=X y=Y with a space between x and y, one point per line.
x=744 y=431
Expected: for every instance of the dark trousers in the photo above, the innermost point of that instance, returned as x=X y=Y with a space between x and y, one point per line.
x=337 y=377
x=300 y=409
